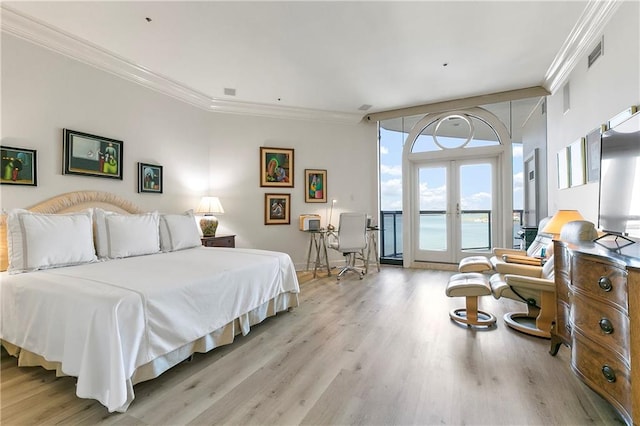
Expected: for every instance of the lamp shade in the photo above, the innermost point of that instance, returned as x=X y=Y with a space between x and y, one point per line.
x=561 y=218
x=210 y=206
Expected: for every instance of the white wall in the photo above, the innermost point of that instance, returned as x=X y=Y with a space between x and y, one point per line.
x=610 y=86
x=201 y=152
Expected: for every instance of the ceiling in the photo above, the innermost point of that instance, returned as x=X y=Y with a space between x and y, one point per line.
x=314 y=56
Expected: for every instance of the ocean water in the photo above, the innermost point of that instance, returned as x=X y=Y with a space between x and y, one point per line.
x=475 y=233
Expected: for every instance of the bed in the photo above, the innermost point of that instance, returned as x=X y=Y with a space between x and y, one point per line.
x=119 y=319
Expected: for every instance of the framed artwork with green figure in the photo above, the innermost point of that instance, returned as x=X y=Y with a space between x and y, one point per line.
x=91 y=155
x=315 y=186
x=276 y=167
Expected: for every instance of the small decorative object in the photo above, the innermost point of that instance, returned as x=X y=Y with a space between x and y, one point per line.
x=149 y=178
x=91 y=155
x=276 y=167
x=276 y=209
x=18 y=166
x=330 y=227
x=208 y=207
x=576 y=162
x=315 y=186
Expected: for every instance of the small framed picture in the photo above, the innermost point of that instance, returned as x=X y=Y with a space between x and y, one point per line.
x=19 y=166
x=577 y=163
x=563 y=168
x=277 y=209
x=91 y=155
x=315 y=183
x=276 y=167
x=149 y=178
x=592 y=152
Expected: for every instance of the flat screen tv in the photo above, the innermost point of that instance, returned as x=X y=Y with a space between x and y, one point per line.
x=619 y=209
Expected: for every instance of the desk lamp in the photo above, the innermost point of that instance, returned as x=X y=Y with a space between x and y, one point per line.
x=208 y=207
x=330 y=227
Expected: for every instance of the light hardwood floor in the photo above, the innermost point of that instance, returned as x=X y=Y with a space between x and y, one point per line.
x=379 y=351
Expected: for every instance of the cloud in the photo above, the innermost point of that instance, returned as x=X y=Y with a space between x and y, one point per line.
x=432 y=198
x=517 y=150
x=391 y=170
x=518 y=181
x=518 y=191
x=477 y=201
x=391 y=194
x=384 y=150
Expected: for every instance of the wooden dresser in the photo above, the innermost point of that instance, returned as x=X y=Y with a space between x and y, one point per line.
x=598 y=316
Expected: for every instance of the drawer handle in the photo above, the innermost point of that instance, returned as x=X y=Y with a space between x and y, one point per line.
x=605 y=283
x=608 y=373
x=606 y=326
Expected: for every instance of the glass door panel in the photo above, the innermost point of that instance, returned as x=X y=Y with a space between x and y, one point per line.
x=476 y=204
x=434 y=236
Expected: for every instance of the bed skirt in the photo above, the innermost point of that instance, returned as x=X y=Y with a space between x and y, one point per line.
x=220 y=337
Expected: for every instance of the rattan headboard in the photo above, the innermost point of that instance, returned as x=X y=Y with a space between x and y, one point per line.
x=65 y=203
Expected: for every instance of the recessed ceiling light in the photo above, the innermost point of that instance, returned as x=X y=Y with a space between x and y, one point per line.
x=364 y=107
x=229 y=91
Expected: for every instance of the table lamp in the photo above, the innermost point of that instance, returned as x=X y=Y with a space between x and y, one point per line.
x=561 y=218
x=208 y=207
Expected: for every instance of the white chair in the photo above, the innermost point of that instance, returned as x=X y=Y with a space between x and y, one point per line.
x=351 y=240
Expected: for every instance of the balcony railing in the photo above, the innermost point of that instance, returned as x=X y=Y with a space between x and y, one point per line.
x=476 y=230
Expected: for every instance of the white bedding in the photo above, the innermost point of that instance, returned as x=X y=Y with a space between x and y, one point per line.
x=103 y=320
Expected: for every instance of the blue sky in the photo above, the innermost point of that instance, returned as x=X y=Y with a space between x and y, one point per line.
x=475 y=190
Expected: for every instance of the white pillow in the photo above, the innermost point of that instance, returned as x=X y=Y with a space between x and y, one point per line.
x=41 y=241
x=123 y=235
x=178 y=231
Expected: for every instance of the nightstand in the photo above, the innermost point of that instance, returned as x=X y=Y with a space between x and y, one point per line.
x=219 y=241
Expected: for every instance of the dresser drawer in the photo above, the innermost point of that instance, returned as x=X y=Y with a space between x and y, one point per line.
x=562 y=267
x=600 y=278
x=602 y=323
x=604 y=372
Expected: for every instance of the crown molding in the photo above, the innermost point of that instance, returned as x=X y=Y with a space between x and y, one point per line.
x=586 y=31
x=47 y=36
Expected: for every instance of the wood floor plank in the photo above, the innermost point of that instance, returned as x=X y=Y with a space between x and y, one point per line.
x=381 y=350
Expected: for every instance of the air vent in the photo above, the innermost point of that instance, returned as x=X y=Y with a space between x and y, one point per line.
x=364 y=107
x=596 y=52
x=229 y=92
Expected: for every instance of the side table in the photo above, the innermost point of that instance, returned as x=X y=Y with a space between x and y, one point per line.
x=219 y=241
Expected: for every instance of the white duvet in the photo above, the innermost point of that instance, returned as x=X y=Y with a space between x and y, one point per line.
x=103 y=320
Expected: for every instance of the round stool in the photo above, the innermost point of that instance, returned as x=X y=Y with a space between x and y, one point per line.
x=470 y=285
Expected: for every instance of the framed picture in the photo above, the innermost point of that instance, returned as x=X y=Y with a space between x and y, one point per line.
x=149 y=178
x=576 y=163
x=276 y=167
x=277 y=209
x=91 y=155
x=315 y=186
x=563 y=169
x=18 y=166
x=592 y=151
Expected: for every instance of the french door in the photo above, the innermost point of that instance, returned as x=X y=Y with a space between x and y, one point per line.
x=454 y=202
